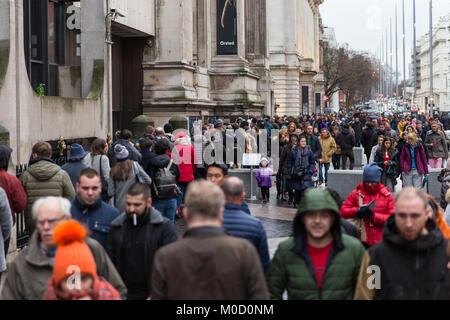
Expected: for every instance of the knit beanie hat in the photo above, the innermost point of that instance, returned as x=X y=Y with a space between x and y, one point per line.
x=72 y=251
x=372 y=173
x=121 y=152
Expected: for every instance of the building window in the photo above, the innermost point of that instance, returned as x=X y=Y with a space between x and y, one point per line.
x=45 y=41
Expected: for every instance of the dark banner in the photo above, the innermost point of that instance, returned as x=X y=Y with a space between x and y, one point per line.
x=226 y=27
x=305 y=100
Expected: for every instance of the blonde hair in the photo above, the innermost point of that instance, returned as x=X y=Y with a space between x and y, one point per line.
x=413 y=137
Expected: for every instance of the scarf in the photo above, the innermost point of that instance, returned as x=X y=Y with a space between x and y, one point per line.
x=101 y=290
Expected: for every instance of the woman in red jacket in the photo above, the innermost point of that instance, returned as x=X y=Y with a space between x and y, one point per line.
x=357 y=205
x=187 y=163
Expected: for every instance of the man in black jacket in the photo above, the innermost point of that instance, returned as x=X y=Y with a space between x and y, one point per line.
x=357 y=127
x=366 y=139
x=346 y=140
x=411 y=263
x=134 y=238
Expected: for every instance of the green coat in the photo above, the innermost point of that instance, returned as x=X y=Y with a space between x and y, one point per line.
x=290 y=271
x=43 y=179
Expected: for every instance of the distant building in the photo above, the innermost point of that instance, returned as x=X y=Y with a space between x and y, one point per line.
x=441 y=67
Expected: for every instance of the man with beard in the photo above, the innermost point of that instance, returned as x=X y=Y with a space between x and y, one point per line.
x=412 y=259
x=134 y=238
x=318 y=262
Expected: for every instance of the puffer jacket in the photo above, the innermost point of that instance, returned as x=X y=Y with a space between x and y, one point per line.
x=240 y=224
x=264 y=175
x=328 y=148
x=308 y=163
x=439 y=151
x=384 y=207
x=42 y=179
x=346 y=140
x=291 y=268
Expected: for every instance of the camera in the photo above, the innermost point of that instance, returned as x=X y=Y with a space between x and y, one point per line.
x=118 y=12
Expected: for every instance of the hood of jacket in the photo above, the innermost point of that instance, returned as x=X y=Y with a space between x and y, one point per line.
x=423 y=243
x=182 y=139
x=160 y=161
x=316 y=200
x=345 y=131
x=43 y=169
x=264 y=159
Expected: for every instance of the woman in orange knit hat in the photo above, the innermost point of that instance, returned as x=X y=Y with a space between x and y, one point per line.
x=74 y=271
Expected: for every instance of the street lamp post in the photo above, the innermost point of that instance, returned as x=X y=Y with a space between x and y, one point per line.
x=431 y=57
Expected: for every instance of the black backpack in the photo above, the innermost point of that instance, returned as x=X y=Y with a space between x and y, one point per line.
x=165 y=183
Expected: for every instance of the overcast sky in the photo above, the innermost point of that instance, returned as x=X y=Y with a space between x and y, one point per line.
x=361 y=23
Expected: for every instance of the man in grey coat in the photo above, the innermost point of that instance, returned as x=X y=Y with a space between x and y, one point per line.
x=437 y=146
x=6 y=225
x=29 y=274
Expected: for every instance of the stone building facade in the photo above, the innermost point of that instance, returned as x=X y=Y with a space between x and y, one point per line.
x=441 y=67
x=58 y=70
x=295 y=55
x=210 y=58
x=83 y=69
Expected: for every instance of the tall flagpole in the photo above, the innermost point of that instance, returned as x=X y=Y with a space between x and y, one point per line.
x=404 y=52
x=390 y=60
x=387 y=65
x=415 y=51
x=431 y=58
x=396 y=54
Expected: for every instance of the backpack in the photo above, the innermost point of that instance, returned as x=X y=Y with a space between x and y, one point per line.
x=165 y=183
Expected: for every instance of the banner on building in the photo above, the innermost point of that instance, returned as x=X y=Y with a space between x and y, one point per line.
x=227 y=27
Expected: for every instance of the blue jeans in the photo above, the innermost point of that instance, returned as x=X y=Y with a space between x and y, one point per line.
x=167 y=207
x=327 y=167
x=182 y=185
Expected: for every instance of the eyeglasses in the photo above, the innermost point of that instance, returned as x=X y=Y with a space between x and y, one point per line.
x=51 y=222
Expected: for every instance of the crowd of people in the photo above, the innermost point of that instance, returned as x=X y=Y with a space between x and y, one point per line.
x=106 y=217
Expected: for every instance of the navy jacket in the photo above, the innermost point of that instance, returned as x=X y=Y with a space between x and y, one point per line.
x=244 y=207
x=298 y=183
x=241 y=225
x=73 y=168
x=315 y=145
x=147 y=156
x=97 y=217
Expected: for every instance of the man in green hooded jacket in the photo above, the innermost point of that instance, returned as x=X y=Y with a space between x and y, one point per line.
x=318 y=262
